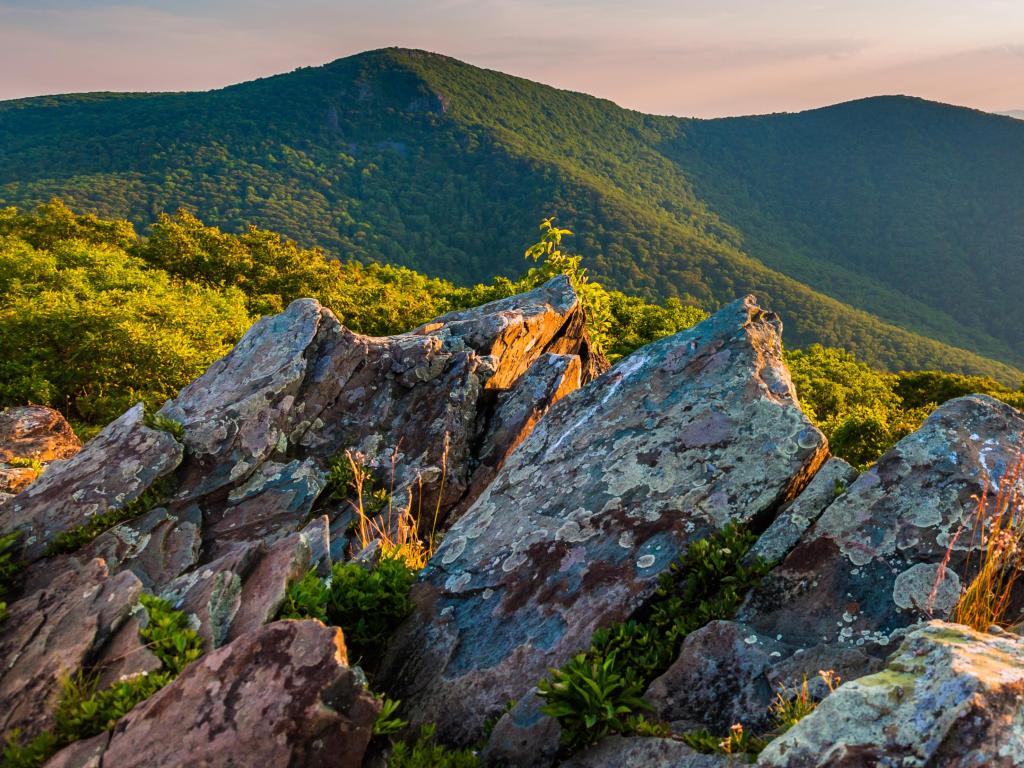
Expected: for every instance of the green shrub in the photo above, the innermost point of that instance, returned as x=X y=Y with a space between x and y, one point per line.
x=85 y=711
x=388 y=721
x=168 y=635
x=367 y=604
x=598 y=692
x=30 y=755
x=33 y=464
x=426 y=753
x=738 y=742
x=77 y=537
x=165 y=424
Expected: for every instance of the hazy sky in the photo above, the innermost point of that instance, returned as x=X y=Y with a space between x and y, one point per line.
x=684 y=57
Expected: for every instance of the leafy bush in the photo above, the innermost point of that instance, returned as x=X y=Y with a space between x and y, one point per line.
x=737 y=742
x=424 y=752
x=169 y=636
x=388 y=721
x=78 y=536
x=598 y=692
x=367 y=604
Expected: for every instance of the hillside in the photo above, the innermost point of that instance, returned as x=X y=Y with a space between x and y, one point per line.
x=420 y=160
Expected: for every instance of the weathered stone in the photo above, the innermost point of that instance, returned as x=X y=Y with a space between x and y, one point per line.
x=51 y=633
x=124 y=656
x=683 y=436
x=157 y=547
x=317 y=536
x=36 y=432
x=782 y=535
x=14 y=480
x=644 y=752
x=269 y=505
x=212 y=593
x=114 y=468
x=87 y=753
x=265 y=587
x=524 y=737
x=868 y=565
x=281 y=696
x=949 y=697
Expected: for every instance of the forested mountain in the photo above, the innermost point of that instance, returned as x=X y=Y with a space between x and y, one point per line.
x=888 y=208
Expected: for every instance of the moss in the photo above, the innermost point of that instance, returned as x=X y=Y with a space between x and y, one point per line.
x=165 y=424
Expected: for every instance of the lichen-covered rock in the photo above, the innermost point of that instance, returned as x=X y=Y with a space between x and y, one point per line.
x=524 y=737
x=645 y=752
x=51 y=633
x=124 y=656
x=36 y=432
x=682 y=437
x=86 y=753
x=283 y=695
x=789 y=525
x=264 y=589
x=948 y=698
x=868 y=565
x=113 y=469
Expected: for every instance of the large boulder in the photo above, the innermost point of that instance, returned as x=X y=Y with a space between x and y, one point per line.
x=949 y=697
x=682 y=437
x=113 y=469
x=36 y=434
x=645 y=752
x=283 y=695
x=51 y=633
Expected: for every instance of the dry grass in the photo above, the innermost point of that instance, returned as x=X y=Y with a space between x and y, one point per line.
x=999 y=529
x=399 y=530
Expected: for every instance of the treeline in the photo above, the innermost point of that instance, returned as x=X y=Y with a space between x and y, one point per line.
x=94 y=318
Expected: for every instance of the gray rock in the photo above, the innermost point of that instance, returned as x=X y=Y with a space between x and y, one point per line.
x=683 y=436
x=51 y=633
x=524 y=737
x=87 y=753
x=645 y=752
x=264 y=589
x=948 y=697
x=114 y=468
x=785 y=531
x=868 y=565
x=282 y=695
x=124 y=656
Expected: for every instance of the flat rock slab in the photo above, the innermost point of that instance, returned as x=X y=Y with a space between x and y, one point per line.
x=868 y=565
x=949 y=697
x=281 y=696
x=682 y=437
x=114 y=468
x=51 y=633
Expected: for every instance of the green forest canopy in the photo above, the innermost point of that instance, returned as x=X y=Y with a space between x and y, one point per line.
x=419 y=160
x=94 y=318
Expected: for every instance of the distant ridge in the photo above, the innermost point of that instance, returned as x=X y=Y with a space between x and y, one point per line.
x=867 y=224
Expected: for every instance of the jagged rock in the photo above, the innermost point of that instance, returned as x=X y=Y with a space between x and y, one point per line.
x=868 y=565
x=949 y=697
x=86 y=753
x=789 y=525
x=50 y=633
x=646 y=752
x=270 y=504
x=282 y=695
x=114 y=468
x=264 y=589
x=317 y=535
x=683 y=436
x=36 y=432
x=524 y=737
x=124 y=656
x=13 y=480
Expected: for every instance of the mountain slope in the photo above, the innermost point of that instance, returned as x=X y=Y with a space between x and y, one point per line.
x=421 y=160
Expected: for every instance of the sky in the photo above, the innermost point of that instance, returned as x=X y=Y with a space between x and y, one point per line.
x=703 y=58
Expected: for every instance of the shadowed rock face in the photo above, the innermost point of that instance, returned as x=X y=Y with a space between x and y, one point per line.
x=283 y=695
x=683 y=436
x=948 y=697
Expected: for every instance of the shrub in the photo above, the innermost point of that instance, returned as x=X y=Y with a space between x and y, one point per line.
x=598 y=692
x=737 y=742
x=169 y=636
x=388 y=721
x=426 y=753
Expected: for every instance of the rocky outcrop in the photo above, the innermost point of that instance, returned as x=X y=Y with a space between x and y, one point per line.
x=949 y=697
x=282 y=695
x=112 y=470
x=617 y=751
x=31 y=437
x=51 y=633
x=683 y=436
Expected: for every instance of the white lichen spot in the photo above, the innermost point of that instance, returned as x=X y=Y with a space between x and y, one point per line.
x=454 y=550
x=750 y=640
x=457 y=581
x=626 y=540
x=645 y=561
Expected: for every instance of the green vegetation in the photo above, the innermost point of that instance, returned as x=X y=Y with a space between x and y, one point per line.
x=165 y=424
x=418 y=160
x=388 y=722
x=367 y=604
x=9 y=568
x=84 y=710
x=78 y=536
x=424 y=752
x=598 y=692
